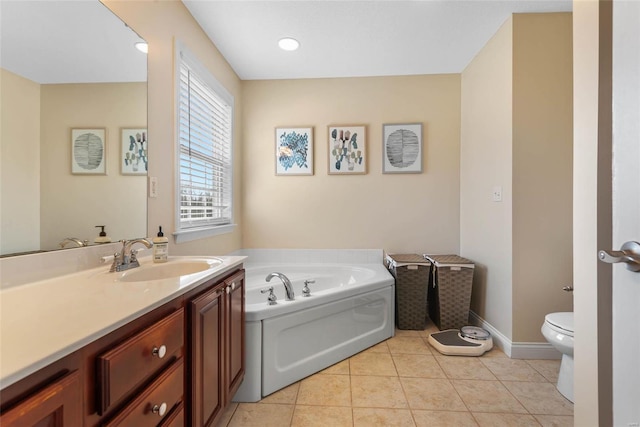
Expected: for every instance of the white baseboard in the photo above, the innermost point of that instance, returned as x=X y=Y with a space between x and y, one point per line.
x=534 y=350
x=516 y=350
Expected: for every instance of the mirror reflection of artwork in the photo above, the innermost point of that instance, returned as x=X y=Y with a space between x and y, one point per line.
x=88 y=151
x=134 y=152
x=60 y=82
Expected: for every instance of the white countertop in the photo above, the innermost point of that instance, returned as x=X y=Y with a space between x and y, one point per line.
x=43 y=321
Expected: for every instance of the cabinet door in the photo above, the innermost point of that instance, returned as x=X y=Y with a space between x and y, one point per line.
x=235 y=354
x=58 y=404
x=206 y=388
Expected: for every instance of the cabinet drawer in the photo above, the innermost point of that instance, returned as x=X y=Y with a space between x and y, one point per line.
x=127 y=365
x=156 y=402
x=175 y=418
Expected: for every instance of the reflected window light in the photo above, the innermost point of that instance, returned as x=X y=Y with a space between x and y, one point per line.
x=142 y=47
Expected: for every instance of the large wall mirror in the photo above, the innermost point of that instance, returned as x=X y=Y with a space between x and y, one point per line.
x=70 y=73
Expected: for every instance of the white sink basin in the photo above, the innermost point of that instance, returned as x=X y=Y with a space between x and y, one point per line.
x=172 y=268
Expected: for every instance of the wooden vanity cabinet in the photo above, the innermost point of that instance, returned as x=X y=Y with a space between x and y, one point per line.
x=235 y=334
x=216 y=348
x=56 y=405
x=121 y=380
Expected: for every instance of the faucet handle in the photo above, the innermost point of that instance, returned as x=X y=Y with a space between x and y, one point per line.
x=271 y=298
x=114 y=264
x=134 y=257
x=306 y=292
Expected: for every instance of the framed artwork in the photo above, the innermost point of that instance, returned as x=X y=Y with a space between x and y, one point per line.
x=402 y=148
x=88 y=151
x=294 y=151
x=347 y=149
x=133 y=151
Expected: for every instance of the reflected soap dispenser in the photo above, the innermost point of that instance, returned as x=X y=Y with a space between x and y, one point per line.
x=102 y=237
x=160 y=247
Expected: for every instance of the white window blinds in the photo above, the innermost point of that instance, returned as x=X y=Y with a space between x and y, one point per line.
x=205 y=125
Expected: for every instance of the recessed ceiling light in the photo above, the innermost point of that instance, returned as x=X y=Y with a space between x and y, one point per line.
x=288 y=43
x=142 y=46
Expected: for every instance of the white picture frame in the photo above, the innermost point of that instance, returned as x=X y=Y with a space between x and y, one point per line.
x=347 y=149
x=88 y=151
x=134 y=145
x=402 y=148
x=294 y=150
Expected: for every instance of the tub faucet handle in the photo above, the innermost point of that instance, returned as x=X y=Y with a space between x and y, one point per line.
x=271 y=298
x=306 y=292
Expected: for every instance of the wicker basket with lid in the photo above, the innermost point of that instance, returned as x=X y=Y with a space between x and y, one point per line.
x=411 y=272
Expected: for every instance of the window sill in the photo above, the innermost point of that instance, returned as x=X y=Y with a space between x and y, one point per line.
x=202 y=233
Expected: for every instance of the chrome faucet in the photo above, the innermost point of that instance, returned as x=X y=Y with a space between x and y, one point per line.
x=126 y=259
x=290 y=296
x=80 y=243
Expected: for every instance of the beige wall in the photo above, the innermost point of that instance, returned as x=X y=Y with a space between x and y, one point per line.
x=397 y=212
x=485 y=162
x=542 y=170
x=72 y=205
x=159 y=22
x=517 y=134
x=19 y=164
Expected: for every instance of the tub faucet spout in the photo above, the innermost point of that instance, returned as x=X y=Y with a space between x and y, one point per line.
x=288 y=288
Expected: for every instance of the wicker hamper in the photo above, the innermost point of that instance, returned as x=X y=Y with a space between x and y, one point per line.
x=411 y=272
x=450 y=290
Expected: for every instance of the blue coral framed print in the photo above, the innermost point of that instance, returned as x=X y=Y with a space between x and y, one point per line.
x=402 y=148
x=294 y=151
x=347 y=150
x=134 y=146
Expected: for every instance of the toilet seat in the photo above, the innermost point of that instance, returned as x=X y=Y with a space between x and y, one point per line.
x=560 y=322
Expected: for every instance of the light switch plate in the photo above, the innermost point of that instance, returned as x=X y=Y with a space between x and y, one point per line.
x=153 y=186
x=496 y=194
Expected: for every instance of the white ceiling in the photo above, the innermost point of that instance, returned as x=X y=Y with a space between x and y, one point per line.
x=54 y=41
x=355 y=38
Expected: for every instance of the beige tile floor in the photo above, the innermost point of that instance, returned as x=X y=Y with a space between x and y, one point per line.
x=403 y=381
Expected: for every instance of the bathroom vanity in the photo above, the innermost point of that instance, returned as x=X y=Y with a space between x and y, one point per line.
x=90 y=348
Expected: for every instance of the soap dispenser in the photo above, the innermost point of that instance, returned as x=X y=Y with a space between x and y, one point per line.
x=102 y=237
x=160 y=247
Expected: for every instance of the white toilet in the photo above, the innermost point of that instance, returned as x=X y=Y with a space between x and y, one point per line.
x=558 y=330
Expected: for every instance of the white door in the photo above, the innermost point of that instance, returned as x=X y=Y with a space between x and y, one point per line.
x=626 y=210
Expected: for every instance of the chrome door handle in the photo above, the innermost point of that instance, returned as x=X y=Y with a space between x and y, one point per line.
x=629 y=253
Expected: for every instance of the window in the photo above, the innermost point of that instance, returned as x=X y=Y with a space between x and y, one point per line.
x=205 y=140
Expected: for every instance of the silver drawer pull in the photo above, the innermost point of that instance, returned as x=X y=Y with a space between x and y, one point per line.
x=159 y=352
x=160 y=410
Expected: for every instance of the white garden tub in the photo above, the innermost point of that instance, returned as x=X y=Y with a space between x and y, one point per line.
x=351 y=308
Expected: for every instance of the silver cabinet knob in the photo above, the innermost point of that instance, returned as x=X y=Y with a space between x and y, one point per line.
x=629 y=254
x=159 y=410
x=567 y=288
x=159 y=352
